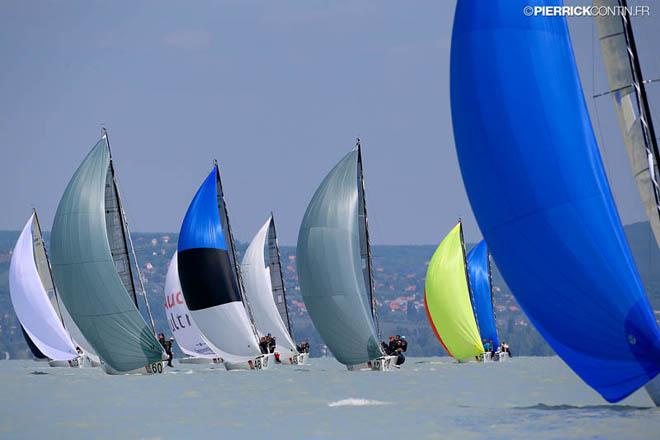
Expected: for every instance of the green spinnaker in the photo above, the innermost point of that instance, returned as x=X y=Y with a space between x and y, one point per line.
x=86 y=276
x=447 y=299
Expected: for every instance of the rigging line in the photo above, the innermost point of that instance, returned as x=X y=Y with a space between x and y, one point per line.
x=128 y=241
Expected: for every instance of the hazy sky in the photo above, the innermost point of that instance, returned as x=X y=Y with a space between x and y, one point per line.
x=277 y=91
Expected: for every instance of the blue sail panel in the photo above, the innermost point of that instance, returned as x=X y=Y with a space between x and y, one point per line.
x=534 y=176
x=201 y=228
x=482 y=299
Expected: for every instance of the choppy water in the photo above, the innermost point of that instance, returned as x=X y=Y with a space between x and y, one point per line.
x=429 y=398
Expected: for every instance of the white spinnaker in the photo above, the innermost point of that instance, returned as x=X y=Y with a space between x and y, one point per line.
x=258 y=289
x=31 y=303
x=239 y=346
x=185 y=331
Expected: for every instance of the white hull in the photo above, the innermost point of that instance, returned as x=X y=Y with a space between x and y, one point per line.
x=291 y=359
x=494 y=357
x=73 y=363
x=152 y=368
x=385 y=363
x=199 y=360
x=259 y=363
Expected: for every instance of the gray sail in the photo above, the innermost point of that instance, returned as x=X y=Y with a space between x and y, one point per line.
x=274 y=265
x=114 y=224
x=330 y=267
x=629 y=98
x=85 y=274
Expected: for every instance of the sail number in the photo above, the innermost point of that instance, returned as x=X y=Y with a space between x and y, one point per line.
x=155 y=368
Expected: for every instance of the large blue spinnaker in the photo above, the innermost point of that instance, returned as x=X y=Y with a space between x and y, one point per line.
x=482 y=292
x=538 y=189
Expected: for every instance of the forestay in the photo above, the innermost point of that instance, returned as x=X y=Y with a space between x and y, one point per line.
x=185 y=331
x=447 y=299
x=85 y=274
x=479 y=276
x=330 y=267
x=259 y=291
x=31 y=303
x=537 y=187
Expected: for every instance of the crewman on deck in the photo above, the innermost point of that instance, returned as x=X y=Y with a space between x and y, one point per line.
x=167 y=346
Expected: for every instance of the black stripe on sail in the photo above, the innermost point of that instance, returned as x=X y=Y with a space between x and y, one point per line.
x=207 y=279
x=33 y=348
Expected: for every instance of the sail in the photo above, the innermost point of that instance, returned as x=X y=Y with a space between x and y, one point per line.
x=209 y=279
x=627 y=90
x=43 y=268
x=85 y=274
x=537 y=186
x=36 y=353
x=330 y=267
x=447 y=299
x=185 y=331
x=116 y=233
x=276 y=279
x=31 y=303
x=259 y=290
x=479 y=275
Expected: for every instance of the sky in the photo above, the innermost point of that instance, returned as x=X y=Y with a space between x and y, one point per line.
x=277 y=92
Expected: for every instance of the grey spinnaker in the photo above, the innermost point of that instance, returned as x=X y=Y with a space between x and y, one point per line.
x=330 y=272
x=85 y=273
x=627 y=89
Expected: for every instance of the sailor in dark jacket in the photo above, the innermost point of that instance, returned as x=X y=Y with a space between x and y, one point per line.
x=167 y=346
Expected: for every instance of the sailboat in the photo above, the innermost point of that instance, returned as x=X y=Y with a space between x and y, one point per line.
x=447 y=299
x=211 y=279
x=185 y=331
x=334 y=268
x=93 y=272
x=481 y=288
x=264 y=286
x=628 y=91
x=29 y=283
x=538 y=189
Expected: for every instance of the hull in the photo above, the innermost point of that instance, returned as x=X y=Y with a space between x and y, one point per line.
x=384 y=363
x=199 y=361
x=152 y=368
x=260 y=363
x=79 y=362
x=294 y=359
x=494 y=357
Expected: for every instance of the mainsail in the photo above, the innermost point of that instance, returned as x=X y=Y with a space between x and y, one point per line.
x=628 y=92
x=447 y=299
x=259 y=288
x=274 y=264
x=84 y=271
x=479 y=275
x=537 y=186
x=210 y=278
x=185 y=331
x=330 y=269
x=33 y=308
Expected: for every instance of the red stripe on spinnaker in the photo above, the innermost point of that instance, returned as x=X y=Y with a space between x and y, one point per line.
x=435 y=330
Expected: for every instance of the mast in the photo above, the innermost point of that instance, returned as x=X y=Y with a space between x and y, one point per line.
x=490 y=286
x=467 y=276
x=618 y=85
x=366 y=249
x=127 y=240
x=50 y=272
x=278 y=262
x=222 y=207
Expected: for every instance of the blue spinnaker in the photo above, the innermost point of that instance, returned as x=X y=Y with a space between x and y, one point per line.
x=538 y=189
x=482 y=294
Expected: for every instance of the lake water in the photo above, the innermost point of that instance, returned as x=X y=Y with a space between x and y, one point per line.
x=428 y=398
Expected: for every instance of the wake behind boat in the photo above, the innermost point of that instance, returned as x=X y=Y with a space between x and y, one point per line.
x=334 y=268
